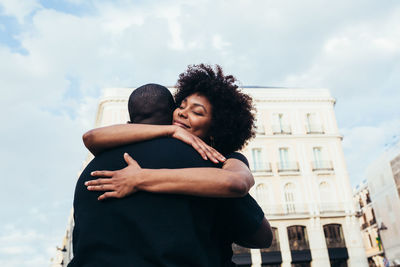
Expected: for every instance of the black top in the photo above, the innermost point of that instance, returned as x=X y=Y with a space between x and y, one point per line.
x=237 y=219
x=147 y=229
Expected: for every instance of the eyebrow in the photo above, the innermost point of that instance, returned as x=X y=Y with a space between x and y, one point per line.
x=200 y=105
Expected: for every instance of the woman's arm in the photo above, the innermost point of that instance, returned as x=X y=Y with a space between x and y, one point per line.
x=233 y=180
x=100 y=139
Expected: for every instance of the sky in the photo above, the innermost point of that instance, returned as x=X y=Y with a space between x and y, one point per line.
x=57 y=56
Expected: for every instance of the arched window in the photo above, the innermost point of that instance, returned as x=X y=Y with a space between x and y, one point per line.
x=241 y=256
x=290 y=198
x=261 y=194
x=298 y=239
x=275 y=246
x=334 y=236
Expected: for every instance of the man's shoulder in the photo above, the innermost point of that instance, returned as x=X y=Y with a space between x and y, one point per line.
x=165 y=149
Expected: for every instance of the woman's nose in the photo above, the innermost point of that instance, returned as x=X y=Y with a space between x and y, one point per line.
x=182 y=113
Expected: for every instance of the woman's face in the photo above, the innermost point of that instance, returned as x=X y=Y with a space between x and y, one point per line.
x=194 y=114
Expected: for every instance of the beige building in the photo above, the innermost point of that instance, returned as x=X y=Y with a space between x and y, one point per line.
x=383 y=177
x=368 y=225
x=301 y=178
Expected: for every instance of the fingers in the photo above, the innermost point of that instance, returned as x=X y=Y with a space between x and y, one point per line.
x=98 y=182
x=109 y=195
x=199 y=150
x=102 y=187
x=102 y=173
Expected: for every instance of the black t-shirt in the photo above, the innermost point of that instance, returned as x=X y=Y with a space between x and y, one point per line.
x=147 y=229
x=237 y=219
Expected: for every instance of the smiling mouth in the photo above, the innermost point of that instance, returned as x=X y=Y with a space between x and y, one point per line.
x=180 y=124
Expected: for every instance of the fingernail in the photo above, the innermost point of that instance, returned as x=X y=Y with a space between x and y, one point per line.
x=91 y=173
x=86 y=183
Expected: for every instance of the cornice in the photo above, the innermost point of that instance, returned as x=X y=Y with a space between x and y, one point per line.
x=303 y=136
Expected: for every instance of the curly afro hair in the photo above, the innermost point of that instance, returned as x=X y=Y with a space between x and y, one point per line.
x=233 y=119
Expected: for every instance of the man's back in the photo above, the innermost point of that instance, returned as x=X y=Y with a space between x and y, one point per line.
x=144 y=229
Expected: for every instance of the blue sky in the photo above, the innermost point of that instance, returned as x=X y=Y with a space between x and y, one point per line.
x=56 y=56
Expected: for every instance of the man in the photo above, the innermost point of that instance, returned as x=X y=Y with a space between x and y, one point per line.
x=146 y=229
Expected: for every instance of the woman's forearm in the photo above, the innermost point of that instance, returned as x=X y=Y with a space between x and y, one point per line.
x=206 y=182
x=100 y=139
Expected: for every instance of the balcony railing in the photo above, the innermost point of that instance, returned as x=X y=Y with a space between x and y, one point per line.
x=324 y=165
x=288 y=166
x=261 y=167
x=331 y=207
x=314 y=129
x=285 y=209
x=281 y=129
x=260 y=129
x=372 y=221
x=364 y=225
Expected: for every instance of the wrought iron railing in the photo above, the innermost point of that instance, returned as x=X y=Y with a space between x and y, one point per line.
x=322 y=165
x=314 y=129
x=281 y=129
x=261 y=167
x=288 y=166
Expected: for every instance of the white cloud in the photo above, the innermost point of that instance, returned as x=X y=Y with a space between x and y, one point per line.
x=19 y=9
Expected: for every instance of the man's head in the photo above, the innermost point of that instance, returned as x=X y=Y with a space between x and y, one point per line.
x=151 y=104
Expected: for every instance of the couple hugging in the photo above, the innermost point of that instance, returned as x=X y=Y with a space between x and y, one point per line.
x=159 y=191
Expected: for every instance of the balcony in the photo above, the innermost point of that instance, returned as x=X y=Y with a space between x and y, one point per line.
x=288 y=166
x=372 y=221
x=331 y=207
x=260 y=129
x=281 y=129
x=324 y=165
x=364 y=225
x=261 y=168
x=300 y=209
x=314 y=129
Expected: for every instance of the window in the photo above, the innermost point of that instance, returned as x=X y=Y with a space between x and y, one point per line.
x=257 y=159
x=275 y=246
x=260 y=127
x=298 y=239
x=284 y=158
x=334 y=236
x=280 y=124
x=261 y=194
x=319 y=163
x=313 y=126
x=290 y=199
x=284 y=161
x=317 y=156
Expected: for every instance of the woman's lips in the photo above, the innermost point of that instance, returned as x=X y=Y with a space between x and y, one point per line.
x=180 y=124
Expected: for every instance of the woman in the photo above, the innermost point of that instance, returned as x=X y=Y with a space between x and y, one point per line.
x=212 y=115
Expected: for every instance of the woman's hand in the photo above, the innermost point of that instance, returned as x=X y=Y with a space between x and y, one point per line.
x=119 y=183
x=206 y=151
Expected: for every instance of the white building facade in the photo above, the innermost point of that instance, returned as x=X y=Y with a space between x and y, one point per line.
x=383 y=177
x=301 y=178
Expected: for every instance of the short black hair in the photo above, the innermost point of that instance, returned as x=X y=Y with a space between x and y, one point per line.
x=233 y=113
x=151 y=104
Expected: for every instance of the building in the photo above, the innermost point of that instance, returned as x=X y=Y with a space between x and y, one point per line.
x=301 y=178
x=368 y=225
x=383 y=177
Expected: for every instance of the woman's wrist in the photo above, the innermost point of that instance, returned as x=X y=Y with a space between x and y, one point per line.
x=171 y=130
